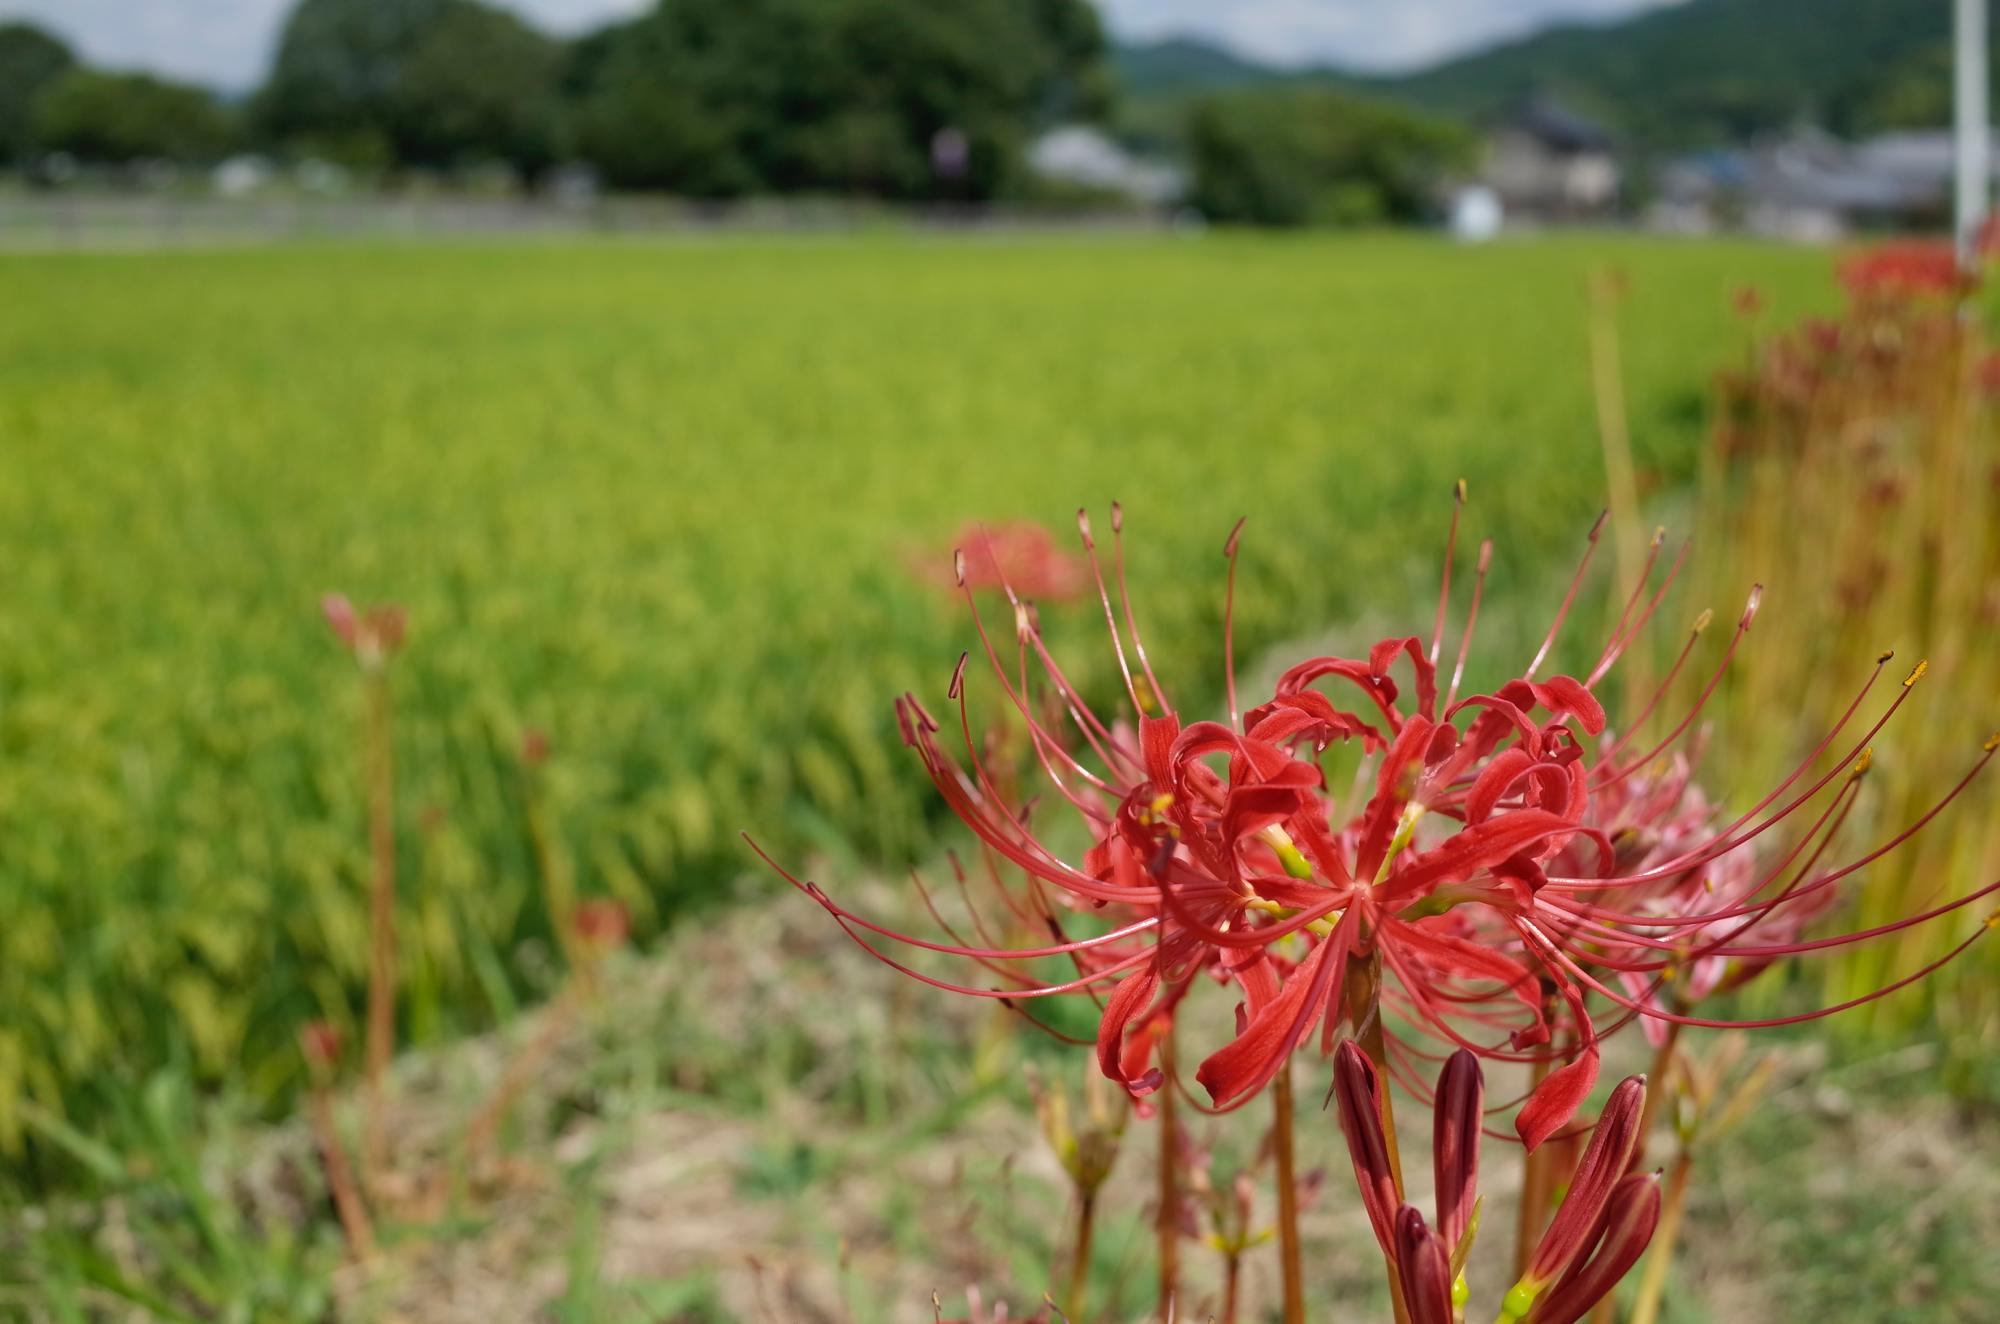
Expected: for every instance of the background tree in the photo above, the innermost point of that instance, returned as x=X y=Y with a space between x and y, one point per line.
x=723 y=97
x=478 y=84
x=1311 y=155
x=98 y=116
x=413 y=82
x=30 y=60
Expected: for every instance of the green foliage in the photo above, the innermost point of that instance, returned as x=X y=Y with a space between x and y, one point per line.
x=716 y=98
x=420 y=82
x=165 y=1238
x=661 y=501
x=30 y=60
x=123 y=117
x=1314 y=156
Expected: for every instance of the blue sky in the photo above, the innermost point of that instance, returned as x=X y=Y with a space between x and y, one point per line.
x=226 y=42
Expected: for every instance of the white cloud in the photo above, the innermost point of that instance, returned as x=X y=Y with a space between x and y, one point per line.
x=227 y=43
x=1362 y=34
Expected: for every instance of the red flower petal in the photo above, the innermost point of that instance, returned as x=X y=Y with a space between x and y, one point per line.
x=1556 y=1099
x=1565 y=695
x=1126 y=1001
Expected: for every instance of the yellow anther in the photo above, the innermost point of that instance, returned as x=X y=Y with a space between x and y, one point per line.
x=1917 y=673
x=1161 y=803
x=1458 y=491
x=1884 y=656
x=1866 y=761
x=1702 y=621
x=1993 y=920
x=1992 y=742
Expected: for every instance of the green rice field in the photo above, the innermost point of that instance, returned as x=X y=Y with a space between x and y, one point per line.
x=667 y=502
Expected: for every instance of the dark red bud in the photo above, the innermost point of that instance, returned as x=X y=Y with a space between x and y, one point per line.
x=1358 y=1091
x=1605 y=1160
x=1424 y=1269
x=1461 y=1100
x=1630 y=1217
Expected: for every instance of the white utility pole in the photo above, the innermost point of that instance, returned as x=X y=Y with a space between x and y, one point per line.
x=1973 y=134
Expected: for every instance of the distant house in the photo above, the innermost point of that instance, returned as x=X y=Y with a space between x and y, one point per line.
x=1084 y=158
x=1547 y=163
x=1807 y=184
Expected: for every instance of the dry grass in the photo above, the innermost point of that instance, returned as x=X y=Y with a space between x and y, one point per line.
x=789 y=1132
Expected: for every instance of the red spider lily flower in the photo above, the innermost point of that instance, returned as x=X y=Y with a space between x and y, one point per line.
x=1598 y=1233
x=373 y=635
x=601 y=924
x=320 y=1042
x=1907 y=269
x=1668 y=813
x=1504 y=875
x=1020 y=556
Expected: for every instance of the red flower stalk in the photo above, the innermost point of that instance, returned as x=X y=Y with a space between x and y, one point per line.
x=1599 y=1232
x=1506 y=870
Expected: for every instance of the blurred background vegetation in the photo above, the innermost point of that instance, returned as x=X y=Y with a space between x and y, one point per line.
x=719 y=99
x=668 y=505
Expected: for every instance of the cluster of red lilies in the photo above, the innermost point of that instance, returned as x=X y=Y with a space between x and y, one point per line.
x=1520 y=878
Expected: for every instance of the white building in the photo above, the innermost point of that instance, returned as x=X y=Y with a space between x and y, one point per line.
x=1087 y=158
x=1546 y=163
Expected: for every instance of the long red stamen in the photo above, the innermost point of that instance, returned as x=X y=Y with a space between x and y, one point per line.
x=1562 y=613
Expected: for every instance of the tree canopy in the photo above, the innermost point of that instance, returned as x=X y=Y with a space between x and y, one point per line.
x=1312 y=155
x=417 y=82
x=30 y=60
x=115 y=117
x=896 y=98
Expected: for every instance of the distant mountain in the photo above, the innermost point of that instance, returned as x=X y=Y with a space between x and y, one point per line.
x=1697 y=72
x=1185 y=66
x=1158 y=81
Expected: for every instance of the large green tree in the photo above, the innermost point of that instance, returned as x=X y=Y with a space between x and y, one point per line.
x=1311 y=155
x=415 y=82
x=100 y=116
x=724 y=97
x=30 y=60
